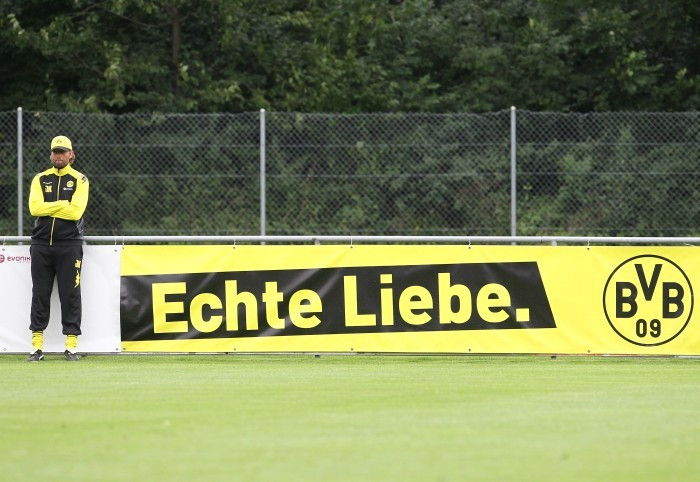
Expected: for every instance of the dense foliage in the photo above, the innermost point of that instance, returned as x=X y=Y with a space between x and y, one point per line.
x=359 y=171
x=349 y=55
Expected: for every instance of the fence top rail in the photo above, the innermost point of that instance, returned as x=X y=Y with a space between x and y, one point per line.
x=553 y=240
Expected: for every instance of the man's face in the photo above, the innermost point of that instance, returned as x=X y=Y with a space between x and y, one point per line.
x=61 y=159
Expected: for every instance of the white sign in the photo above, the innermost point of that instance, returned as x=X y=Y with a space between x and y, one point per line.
x=100 y=279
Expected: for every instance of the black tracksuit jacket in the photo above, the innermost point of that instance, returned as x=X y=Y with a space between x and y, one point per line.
x=57 y=198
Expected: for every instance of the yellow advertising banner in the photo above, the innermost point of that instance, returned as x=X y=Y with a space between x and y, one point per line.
x=411 y=299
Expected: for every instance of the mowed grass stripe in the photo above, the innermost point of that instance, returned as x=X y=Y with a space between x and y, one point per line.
x=350 y=417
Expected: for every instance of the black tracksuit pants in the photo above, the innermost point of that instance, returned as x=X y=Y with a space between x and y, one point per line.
x=63 y=263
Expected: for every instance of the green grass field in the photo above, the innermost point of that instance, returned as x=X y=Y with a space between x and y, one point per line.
x=350 y=418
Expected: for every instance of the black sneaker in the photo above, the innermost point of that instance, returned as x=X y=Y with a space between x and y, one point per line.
x=36 y=356
x=70 y=356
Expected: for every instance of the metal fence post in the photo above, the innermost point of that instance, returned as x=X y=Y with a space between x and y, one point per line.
x=262 y=172
x=19 y=172
x=513 y=184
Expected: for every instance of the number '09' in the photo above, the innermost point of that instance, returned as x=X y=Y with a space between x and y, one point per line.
x=645 y=328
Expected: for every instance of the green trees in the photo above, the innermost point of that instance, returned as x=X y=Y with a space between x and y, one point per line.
x=349 y=56
x=357 y=173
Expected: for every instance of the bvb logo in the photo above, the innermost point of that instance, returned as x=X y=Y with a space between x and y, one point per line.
x=648 y=300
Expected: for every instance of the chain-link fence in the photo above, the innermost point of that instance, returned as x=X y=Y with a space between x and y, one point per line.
x=625 y=174
x=8 y=182
x=609 y=174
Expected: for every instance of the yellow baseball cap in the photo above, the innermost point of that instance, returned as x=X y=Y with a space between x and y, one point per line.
x=61 y=143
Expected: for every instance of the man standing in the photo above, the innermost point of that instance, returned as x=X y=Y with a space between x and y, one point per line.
x=57 y=197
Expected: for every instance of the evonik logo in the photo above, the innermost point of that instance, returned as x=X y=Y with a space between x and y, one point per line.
x=15 y=259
